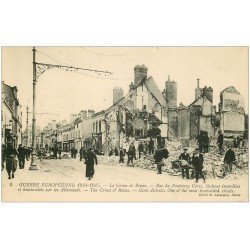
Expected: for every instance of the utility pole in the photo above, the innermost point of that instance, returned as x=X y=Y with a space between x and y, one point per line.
x=38 y=69
x=33 y=164
x=27 y=127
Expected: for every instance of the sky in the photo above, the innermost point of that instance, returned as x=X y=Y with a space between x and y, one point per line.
x=61 y=92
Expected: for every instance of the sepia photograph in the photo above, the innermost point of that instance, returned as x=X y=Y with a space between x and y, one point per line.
x=124 y=124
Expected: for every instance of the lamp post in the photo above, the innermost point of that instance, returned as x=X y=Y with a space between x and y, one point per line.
x=33 y=164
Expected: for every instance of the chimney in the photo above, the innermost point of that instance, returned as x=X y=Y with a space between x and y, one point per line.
x=140 y=72
x=117 y=95
x=84 y=114
x=90 y=113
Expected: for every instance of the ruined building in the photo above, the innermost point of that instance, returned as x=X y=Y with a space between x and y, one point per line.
x=199 y=115
x=232 y=113
x=142 y=112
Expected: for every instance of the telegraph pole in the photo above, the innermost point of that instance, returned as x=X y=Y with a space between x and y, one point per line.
x=33 y=164
x=38 y=69
x=27 y=127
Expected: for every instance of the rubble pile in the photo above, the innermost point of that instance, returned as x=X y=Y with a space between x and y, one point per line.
x=65 y=156
x=213 y=162
x=108 y=160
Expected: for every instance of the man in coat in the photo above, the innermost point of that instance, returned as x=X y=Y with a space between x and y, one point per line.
x=159 y=155
x=185 y=168
x=21 y=156
x=200 y=139
x=140 y=149
x=11 y=162
x=3 y=155
x=121 y=159
x=220 y=141
x=90 y=161
x=82 y=153
x=197 y=161
x=229 y=159
x=151 y=146
x=130 y=154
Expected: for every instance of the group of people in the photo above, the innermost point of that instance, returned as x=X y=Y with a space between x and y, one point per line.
x=130 y=150
x=196 y=161
x=12 y=157
x=73 y=152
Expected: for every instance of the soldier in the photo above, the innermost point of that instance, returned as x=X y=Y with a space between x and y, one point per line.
x=11 y=163
x=197 y=161
x=90 y=161
x=229 y=159
x=184 y=167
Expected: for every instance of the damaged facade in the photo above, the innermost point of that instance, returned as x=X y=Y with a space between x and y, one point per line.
x=198 y=116
x=140 y=114
x=232 y=113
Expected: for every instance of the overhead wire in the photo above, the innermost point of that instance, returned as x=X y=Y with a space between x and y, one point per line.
x=62 y=62
x=101 y=54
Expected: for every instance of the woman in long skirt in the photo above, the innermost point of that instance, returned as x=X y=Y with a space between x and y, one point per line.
x=90 y=161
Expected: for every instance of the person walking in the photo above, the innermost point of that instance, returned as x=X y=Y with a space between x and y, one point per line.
x=21 y=156
x=197 y=162
x=140 y=149
x=55 y=151
x=159 y=155
x=151 y=146
x=185 y=167
x=28 y=153
x=82 y=153
x=220 y=141
x=60 y=153
x=11 y=162
x=134 y=150
x=75 y=153
x=121 y=159
x=229 y=159
x=90 y=161
x=200 y=140
x=205 y=142
x=130 y=154
x=3 y=155
x=72 y=152
x=116 y=152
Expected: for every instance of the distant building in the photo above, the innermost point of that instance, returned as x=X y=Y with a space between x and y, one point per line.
x=11 y=115
x=99 y=130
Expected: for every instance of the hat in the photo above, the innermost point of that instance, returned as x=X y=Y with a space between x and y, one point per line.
x=196 y=149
